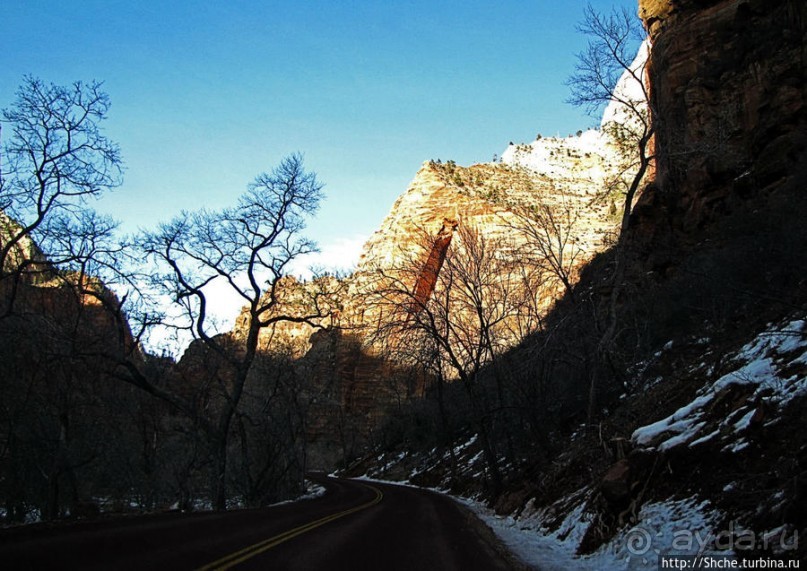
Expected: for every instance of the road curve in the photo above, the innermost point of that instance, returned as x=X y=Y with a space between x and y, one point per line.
x=354 y=526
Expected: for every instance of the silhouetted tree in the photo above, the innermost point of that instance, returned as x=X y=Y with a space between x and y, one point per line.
x=610 y=55
x=54 y=157
x=463 y=314
x=248 y=249
x=550 y=238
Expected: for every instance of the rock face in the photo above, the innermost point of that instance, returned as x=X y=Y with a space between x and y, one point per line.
x=570 y=171
x=728 y=99
x=19 y=250
x=578 y=172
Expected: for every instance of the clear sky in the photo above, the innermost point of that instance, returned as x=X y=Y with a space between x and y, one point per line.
x=206 y=95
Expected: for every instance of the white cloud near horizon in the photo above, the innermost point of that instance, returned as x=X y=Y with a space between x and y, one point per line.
x=338 y=256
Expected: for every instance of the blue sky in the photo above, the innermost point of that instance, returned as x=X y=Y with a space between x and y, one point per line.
x=206 y=95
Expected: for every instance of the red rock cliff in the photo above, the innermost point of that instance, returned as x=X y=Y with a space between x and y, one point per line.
x=728 y=100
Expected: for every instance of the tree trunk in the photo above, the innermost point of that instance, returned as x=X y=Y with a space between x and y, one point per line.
x=490 y=459
x=220 y=474
x=441 y=405
x=51 y=511
x=644 y=163
x=488 y=450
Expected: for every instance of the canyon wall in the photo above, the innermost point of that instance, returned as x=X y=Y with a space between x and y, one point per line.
x=728 y=99
x=570 y=174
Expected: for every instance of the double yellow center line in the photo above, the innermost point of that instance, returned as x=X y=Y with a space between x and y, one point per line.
x=233 y=559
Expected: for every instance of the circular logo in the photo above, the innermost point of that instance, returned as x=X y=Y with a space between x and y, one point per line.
x=638 y=541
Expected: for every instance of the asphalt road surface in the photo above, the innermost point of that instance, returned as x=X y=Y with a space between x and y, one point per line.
x=355 y=526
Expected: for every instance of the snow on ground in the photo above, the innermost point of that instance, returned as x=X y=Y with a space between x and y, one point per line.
x=765 y=366
x=312 y=490
x=674 y=527
x=469 y=458
x=33 y=516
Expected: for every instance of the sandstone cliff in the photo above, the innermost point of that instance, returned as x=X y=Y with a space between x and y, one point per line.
x=581 y=172
x=483 y=196
x=728 y=99
x=23 y=254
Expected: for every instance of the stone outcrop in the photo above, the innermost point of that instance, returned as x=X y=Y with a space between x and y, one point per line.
x=728 y=99
x=295 y=299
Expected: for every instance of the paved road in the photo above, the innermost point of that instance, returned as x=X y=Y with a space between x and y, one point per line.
x=354 y=526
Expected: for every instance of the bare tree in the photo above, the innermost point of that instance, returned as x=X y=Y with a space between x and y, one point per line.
x=550 y=238
x=65 y=328
x=87 y=296
x=610 y=56
x=59 y=261
x=66 y=318
x=271 y=429
x=461 y=312
x=54 y=159
x=595 y=83
x=247 y=248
